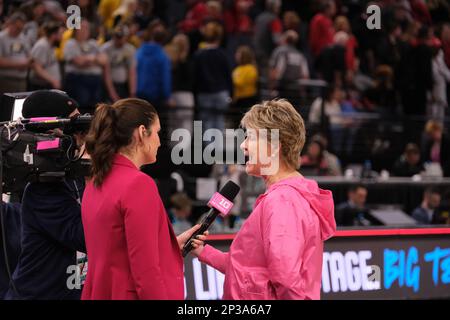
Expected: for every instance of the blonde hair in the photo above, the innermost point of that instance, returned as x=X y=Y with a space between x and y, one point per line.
x=341 y=23
x=178 y=48
x=291 y=19
x=214 y=6
x=433 y=126
x=181 y=201
x=245 y=55
x=212 y=32
x=279 y=114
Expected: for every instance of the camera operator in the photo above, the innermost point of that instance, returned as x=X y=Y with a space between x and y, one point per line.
x=52 y=231
x=11 y=220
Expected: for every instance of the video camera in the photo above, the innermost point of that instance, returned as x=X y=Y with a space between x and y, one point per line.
x=32 y=150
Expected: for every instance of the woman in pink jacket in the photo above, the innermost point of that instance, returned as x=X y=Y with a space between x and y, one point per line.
x=277 y=254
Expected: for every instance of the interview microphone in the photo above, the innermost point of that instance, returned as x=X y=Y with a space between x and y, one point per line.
x=220 y=203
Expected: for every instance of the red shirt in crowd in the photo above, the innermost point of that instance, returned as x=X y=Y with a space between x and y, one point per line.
x=321 y=33
x=350 y=57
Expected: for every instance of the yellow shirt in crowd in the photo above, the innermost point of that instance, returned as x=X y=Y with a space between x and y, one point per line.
x=106 y=10
x=60 y=50
x=245 y=81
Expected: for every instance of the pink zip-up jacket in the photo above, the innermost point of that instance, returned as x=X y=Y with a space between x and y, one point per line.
x=277 y=254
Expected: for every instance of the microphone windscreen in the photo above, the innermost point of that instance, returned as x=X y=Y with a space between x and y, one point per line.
x=230 y=190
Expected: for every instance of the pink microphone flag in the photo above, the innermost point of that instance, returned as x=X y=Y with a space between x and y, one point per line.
x=222 y=204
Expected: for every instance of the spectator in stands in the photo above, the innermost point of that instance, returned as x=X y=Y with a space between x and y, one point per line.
x=287 y=66
x=439 y=10
x=332 y=120
x=238 y=24
x=124 y=12
x=213 y=84
x=409 y=164
x=54 y=10
x=182 y=71
x=88 y=11
x=341 y=23
x=200 y=13
x=331 y=63
x=122 y=60
x=267 y=33
x=182 y=115
x=382 y=96
x=179 y=212
x=321 y=30
x=422 y=79
x=334 y=164
x=330 y=104
x=237 y=21
x=353 y=212
x=145 y=14
x=86 y=69
x=245 y=80
x=388 y=51
x=34 y=11
x=317 y=161
x=292 y=21
x=425 y=212
x=438 y=102
x=134 y=33
x=442 y=213
x=400 y=11
x=106 y=9
x=14 y=55
x=154 y=79
x=236 y=18
x=420 y=11
x=436 y=146
x=445 y=39
x=3 y=11
x=46 y=73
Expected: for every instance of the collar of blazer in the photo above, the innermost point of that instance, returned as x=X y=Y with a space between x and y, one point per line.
x=121 y=160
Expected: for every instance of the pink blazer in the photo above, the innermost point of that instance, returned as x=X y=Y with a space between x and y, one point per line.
x=277 y=254
x=132 y=250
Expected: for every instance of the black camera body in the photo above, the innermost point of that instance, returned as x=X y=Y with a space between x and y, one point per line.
x=31 y=153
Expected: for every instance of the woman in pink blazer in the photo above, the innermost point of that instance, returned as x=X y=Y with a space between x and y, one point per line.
x=132 y=250
x=277 y=254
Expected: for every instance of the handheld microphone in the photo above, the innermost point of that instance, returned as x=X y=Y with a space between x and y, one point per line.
x=220 y=203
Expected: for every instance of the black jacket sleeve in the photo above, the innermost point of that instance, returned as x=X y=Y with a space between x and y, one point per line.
x=57 y=213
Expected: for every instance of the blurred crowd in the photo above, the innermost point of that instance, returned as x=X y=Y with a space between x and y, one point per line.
x=217 y=56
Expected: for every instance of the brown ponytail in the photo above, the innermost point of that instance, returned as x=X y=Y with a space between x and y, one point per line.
x=111 y=129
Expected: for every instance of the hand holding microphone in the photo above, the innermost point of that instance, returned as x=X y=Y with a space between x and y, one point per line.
x=220 y=203
x=197 y=242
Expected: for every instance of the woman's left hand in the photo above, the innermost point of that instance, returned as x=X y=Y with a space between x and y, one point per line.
x=198 y=243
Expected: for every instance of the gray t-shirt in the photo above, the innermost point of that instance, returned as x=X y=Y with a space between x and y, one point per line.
x=44 y=54
x=15 y=49
x=31 y=32
x=120 y=59
x=290 y=64
x=73 y=49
